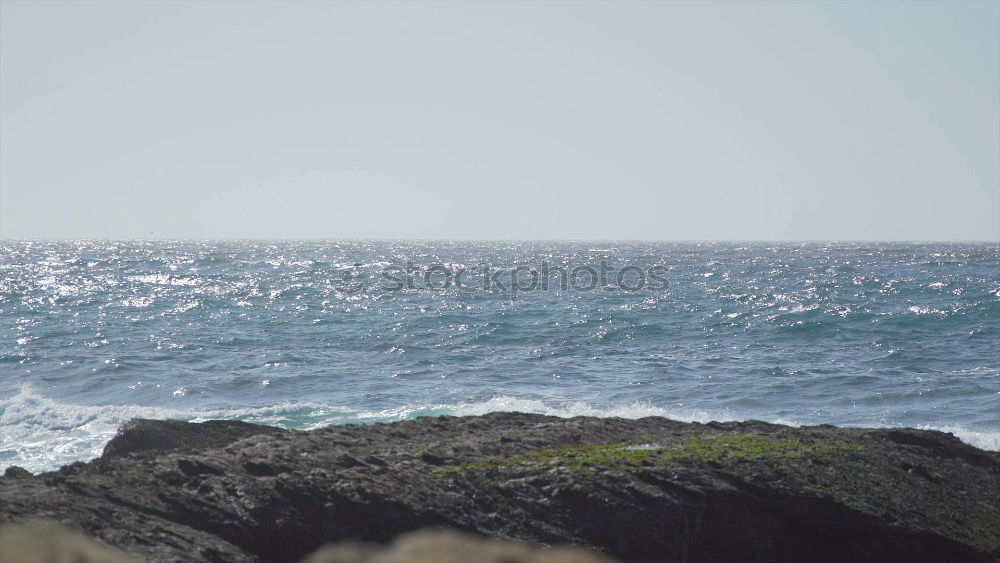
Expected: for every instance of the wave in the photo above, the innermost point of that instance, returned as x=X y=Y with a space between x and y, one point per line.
x=41 y=434
x=985 y=440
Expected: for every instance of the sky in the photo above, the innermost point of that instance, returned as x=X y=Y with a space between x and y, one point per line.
x=507 y=120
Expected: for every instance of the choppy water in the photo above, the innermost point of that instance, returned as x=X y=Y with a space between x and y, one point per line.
x=304 y=334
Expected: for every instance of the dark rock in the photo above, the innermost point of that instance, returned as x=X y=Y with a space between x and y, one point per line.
x=638 y=490
x=15 y=472
x=158 y=436
x=194 y=467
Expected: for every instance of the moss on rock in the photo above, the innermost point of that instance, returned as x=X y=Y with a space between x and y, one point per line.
x=722 y=449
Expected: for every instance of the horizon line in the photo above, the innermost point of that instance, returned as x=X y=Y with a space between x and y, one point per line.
x=460 y=239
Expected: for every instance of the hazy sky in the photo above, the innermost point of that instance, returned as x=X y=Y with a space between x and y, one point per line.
x=660 y=120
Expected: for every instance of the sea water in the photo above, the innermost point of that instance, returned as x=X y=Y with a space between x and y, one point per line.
x=303 y=334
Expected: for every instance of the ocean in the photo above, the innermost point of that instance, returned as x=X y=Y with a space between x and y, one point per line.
x=303 y=334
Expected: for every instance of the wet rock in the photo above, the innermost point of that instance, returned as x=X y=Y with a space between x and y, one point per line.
x=637 y=490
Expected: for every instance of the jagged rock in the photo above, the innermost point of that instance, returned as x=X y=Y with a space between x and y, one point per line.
x=650 y=489
x=445 y=546
x=15 y=472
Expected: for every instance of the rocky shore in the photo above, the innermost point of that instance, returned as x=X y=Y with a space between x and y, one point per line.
x=635 y=490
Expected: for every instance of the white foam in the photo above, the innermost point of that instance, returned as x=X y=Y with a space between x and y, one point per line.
x=41 y=434
x=980 y=439
x=638 y=409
